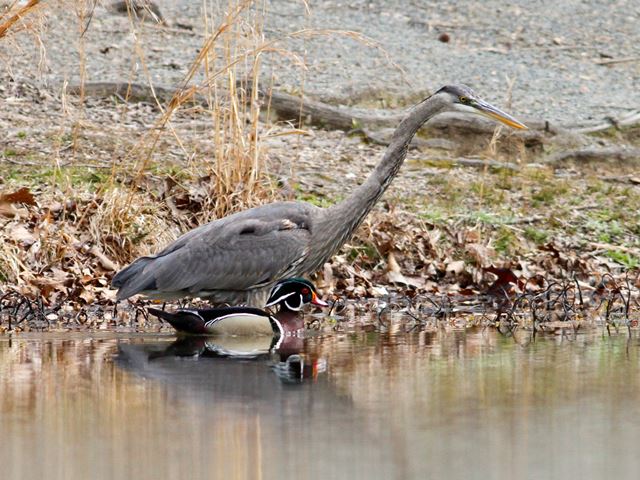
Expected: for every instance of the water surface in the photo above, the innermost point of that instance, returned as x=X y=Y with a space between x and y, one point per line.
x=456 y=404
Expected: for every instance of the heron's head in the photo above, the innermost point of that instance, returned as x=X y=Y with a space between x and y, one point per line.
x=293 y=293
x=461 y=98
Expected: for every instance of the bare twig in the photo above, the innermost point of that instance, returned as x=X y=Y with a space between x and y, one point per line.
x=18 y=16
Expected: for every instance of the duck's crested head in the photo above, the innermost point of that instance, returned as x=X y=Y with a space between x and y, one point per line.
x=293 y=293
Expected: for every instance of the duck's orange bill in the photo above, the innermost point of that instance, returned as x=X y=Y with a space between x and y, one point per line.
x=317 y=301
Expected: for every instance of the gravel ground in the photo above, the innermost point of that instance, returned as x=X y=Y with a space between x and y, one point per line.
x=552 y=51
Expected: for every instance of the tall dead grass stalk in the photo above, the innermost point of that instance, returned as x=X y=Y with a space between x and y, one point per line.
x=227 y=63
x=13 y=19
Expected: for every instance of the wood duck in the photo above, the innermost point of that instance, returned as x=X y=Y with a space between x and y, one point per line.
x=290 y=295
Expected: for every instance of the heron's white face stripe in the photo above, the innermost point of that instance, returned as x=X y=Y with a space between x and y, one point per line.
x=466 y=108
x=279 y=299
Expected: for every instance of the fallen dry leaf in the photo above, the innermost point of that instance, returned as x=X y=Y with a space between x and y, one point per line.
x=505 y=282
x=21 y=235
x=23 y=195
x=455 y=267
x=8 y=210
x=482 y=254
x=105 y=262
x=87 y=296
x=394 y=275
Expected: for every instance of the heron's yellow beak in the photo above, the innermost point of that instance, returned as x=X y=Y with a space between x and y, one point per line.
x=494 y=113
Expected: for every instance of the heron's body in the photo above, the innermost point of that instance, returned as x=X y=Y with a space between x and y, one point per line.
x=224 y=253
x=238 y=257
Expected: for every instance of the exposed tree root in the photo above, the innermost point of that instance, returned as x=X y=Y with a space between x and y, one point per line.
x=605 y=154
x=311 y=112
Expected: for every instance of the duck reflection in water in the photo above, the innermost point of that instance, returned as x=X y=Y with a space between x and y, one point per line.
x=285 y=355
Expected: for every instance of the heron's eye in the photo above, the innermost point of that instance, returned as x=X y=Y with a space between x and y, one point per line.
x=305 y=291
x=463 y=99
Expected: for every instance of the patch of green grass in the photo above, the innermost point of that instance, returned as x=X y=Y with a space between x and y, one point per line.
x=596 y=186
x=78 y=177
x=438 y=180
x=538 y=175
x=547 y=194
x=366 y=250
x=177 y=172
x=21 y=134
x=535 y=235
x=317 y=200
x=606 y=224
x=615 y=229
x=433 y=215
x=9 y=152
x=73 y=176
x=489 y=218
x=624 y=258
x=487 y=193
x=506 y=241
x=505 y=179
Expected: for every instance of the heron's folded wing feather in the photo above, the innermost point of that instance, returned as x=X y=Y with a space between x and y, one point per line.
x=248 y=253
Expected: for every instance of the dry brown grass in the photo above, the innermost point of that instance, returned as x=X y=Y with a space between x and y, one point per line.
x=128 y=212
x=16 y=17
x=227 y=61
x=127 y=191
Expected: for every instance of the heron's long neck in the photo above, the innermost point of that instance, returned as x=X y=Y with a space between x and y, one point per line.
x=339 y=222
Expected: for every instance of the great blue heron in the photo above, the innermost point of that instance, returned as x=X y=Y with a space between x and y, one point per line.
x=238 y=257
x=289 y=295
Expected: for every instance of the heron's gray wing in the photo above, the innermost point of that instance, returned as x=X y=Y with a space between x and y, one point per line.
x=239 y=252
x=252 y=254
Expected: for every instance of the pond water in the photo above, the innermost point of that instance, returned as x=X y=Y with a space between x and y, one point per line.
x=446 y=404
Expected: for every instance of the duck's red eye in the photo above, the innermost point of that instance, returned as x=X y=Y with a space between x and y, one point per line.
x=305 y=291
